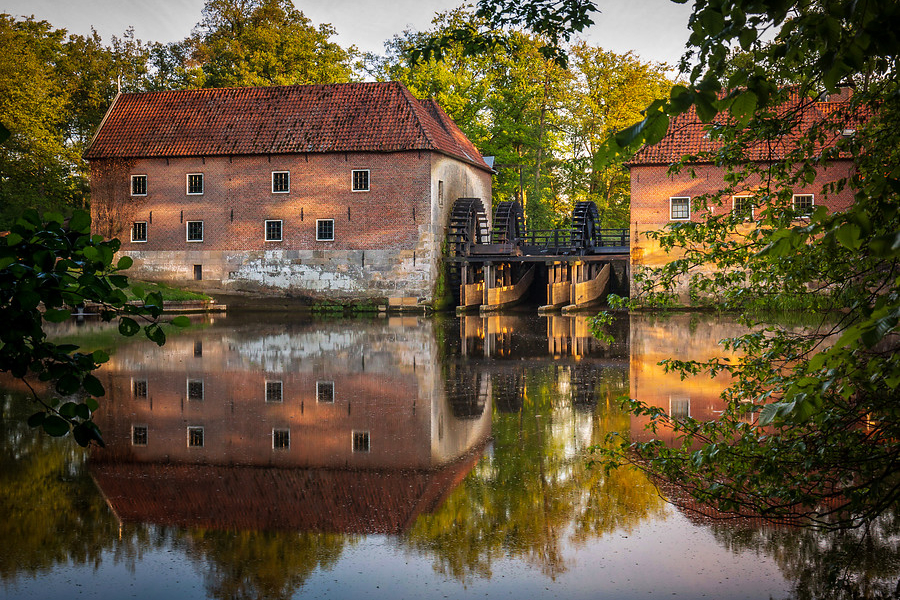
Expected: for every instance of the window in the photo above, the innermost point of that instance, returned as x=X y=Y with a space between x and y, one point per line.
x=195 y=389
x=138 y=435
x=324 y=230
x=195 y=231
x=273 y=231
x=361 y=180
x=440 y=193
x=742 y=206
x=274 y=391
x=281 y=182
x=360 y=441
x=195 y=184
x=679 y=209
x=198 y=348
x=139 y=388
x=679 y=407
x=195 y=437
x=138 y=185
x=804 y=204
x=325 y=391
x=198 y=272
x=281 y=439
x=139 y=231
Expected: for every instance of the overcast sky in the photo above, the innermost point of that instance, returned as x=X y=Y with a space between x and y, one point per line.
x=655 y=29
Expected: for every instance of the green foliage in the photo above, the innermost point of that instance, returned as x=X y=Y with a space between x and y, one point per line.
x=542 y=123
x=48 y=267
x=257 y=43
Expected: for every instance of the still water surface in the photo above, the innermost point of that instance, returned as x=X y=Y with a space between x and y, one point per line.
x=262 y=457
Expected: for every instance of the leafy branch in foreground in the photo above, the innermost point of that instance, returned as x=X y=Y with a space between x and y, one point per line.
x=48 y=267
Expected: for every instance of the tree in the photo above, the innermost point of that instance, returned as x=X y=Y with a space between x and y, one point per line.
x=54 y=90
x=811 y=433
x=47 y=267
x=542 y=123
x=263 y=42
x=607 y=93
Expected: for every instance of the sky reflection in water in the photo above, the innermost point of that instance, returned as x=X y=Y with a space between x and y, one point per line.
x=390 y=458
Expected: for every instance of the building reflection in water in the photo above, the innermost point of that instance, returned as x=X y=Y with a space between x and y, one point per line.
x=681 y=336
x=335 y=427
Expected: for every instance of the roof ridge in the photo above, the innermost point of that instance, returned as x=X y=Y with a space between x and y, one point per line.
x=415 y=106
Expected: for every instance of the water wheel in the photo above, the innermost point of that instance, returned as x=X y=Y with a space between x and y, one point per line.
x=585 y=225
x=509 y=223
x=468 y=226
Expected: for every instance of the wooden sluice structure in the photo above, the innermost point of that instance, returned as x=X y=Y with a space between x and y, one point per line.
x=493 y=266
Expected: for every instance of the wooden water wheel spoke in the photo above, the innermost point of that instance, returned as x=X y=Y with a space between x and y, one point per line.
x=585 y=224
x=509 y=224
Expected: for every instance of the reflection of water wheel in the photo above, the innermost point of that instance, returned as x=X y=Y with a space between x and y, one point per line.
x=509 y=391
x=585 y=386
x=585 y=225
x=509 y=223
x=467 y=392
x=468 y=225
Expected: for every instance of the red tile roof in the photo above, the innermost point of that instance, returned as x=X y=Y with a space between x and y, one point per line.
x=687 y=135
x=295 y=499
x=346 y=117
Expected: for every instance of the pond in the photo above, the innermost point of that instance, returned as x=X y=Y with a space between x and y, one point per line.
x=270 y=456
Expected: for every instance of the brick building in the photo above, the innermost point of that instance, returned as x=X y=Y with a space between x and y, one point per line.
x=659 y=198
x=326 y=191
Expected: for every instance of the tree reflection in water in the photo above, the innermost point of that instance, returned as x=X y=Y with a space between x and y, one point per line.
x=534 y=493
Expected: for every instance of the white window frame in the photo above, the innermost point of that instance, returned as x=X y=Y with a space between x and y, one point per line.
x=749 y=198
x=187 y=184
x=353 y=187
x=280 y=390
x=812 y=206
x=286 y=430
x=368 y=438
x=146 y=233
x=199 y=428
x=319 y=383
x=187 y=231
x=288 y=190
x=672 y=216
x=135 y=177
x=321 y=239
x=187 y=389
x=280 y=230
x=680 y=401
x=146 y=434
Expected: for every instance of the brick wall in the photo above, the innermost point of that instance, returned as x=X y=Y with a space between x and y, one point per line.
x=386 y=240
x=652 y=187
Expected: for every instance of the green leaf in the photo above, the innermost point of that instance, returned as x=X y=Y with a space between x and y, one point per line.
x=743 y=106
x=128 y=327
x=82 y=411
x=100 y=356
x=68 y=409
x=13 y=239
x=92 y=404
x=849 y=235
x=80 y=222
x=181 y=321
x=55 y=426
x=125 y=262
x=36 y=419
x=67 y=384
x=92 y=385
x=56 y=316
